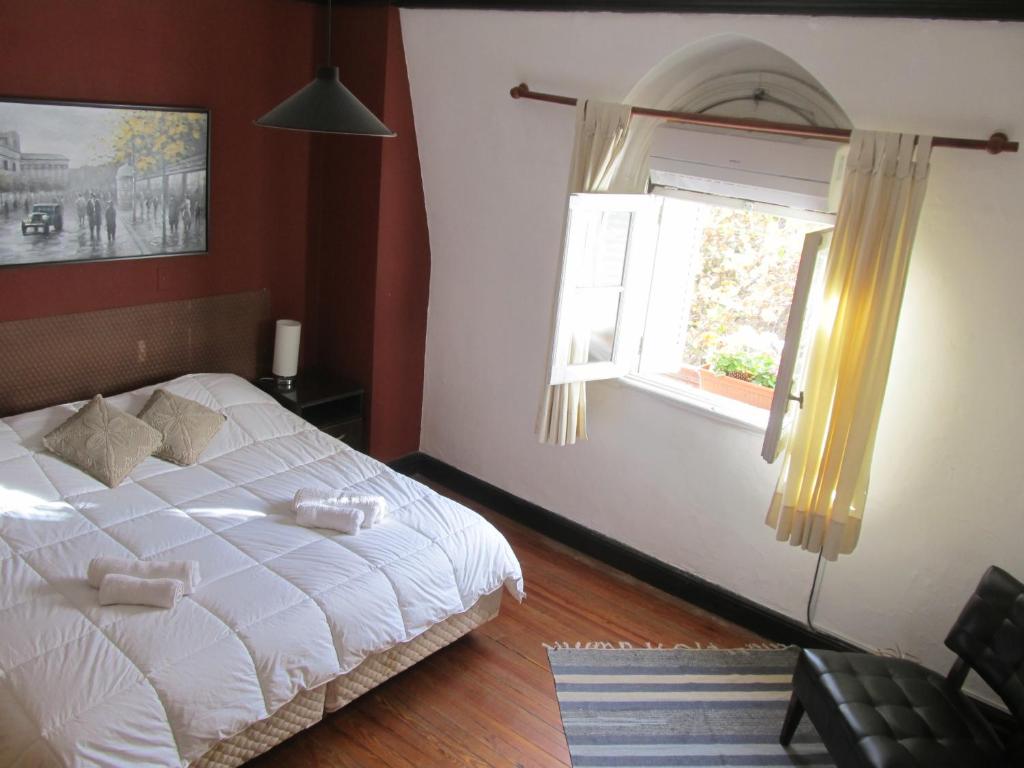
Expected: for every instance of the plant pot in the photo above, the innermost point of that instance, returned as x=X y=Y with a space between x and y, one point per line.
x=736 y=389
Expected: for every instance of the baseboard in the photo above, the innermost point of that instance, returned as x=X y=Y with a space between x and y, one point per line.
x=410 y=464
x=766 y=622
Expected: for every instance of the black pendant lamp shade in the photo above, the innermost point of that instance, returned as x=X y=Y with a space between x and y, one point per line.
x=325 y=106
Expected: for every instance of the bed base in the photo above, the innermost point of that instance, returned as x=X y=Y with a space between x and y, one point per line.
x=309 y=707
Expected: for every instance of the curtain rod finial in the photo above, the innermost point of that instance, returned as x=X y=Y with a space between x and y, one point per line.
x=519 y=90
x=997 y=143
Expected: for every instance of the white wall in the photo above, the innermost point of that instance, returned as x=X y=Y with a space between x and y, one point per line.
x=947 y=495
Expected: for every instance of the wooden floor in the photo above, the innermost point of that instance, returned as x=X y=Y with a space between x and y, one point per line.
x=488 y=699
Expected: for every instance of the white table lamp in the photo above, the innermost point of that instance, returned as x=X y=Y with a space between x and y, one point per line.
x=286 y=353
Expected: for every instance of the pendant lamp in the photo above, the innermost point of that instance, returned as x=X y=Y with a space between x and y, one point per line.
x=325 y=105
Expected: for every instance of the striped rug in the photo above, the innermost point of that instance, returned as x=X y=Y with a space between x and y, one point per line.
x=655 y=708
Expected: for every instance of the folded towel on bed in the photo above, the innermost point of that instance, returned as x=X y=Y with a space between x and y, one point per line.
x=185 y=571
x=344 y=519
x=118 y=589
x=307 y=500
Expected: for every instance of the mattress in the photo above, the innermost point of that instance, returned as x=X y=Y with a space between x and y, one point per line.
x=282 y=610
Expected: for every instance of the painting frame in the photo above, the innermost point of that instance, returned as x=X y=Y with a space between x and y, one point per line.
x=189 y=244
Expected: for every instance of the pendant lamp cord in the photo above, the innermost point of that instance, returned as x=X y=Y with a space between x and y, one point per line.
x=330 y=23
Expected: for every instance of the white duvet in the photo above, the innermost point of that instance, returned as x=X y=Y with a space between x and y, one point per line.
x=280 y=609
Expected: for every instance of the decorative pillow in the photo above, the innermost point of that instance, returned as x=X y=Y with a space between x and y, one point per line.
x=103 y=441
x=187 y=426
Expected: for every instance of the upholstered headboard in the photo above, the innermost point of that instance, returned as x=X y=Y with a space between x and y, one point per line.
x=50 y=360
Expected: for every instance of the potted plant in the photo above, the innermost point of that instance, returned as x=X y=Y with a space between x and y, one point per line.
x=745 y=376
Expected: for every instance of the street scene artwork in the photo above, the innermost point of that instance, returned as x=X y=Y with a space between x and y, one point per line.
x=89 y=182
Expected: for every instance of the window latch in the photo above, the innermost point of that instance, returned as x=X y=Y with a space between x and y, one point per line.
x=799 y=398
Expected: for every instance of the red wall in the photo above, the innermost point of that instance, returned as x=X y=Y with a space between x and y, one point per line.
x=346 y=190
x=236 y=57
x=403 y=267
x=333 y=226
x=370 y=265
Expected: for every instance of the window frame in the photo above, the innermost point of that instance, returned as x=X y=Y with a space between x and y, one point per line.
x=642 y=252
x=726 y=201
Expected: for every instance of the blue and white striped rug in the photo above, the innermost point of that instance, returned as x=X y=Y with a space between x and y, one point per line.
x=655 y=708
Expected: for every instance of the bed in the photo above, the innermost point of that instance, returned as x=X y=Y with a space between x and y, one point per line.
x=287 y=624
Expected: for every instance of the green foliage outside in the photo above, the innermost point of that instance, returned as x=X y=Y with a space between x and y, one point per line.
x=758 y=368
x=742 y=293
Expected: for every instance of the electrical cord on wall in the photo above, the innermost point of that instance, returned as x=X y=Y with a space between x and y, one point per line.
x=813 y=593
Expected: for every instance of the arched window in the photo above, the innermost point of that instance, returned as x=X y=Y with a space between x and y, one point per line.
x=716 y=244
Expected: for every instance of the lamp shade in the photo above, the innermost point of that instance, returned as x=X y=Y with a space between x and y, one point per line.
x=325 y=106
x=286 y=348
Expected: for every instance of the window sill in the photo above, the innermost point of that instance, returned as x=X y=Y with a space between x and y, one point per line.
x=716 y=408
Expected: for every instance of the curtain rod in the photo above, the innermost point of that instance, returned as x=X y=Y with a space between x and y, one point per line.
x=995 y=144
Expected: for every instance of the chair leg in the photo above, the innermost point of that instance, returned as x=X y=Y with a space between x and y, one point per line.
x=794 y=712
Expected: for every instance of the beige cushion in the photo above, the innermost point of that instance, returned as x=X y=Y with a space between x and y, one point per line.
x=187 y=426
x=103 y=441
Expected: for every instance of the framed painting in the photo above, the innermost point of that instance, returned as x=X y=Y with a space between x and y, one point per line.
x=96 y=182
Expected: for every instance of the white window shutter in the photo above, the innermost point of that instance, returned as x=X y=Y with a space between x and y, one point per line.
x=835 y=187
x=672 y=285
x=606 y=272
x=802 y=313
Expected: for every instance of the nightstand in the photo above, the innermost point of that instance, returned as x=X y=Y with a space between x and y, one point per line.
x=334 y=406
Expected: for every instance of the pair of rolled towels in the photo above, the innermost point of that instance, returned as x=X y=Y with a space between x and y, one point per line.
x=319 y=508
x=159 y=583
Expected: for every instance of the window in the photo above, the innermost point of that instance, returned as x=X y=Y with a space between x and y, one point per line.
x=699 y=294
x=719 y=302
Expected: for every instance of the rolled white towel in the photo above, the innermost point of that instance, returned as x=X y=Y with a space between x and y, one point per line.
x=185 y=571
x=374 y=508
x=344 y=519
x=118 y=589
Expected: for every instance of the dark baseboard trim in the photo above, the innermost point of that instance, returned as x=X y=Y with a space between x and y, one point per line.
x=701 y=593
x=410 y=464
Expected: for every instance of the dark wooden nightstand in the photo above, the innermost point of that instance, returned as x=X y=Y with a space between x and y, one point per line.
x=334 y=406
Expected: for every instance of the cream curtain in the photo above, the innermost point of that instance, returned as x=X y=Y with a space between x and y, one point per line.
x=819 y=501
x=610 y=154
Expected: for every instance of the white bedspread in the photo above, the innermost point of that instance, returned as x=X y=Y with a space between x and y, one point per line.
x=280 y=609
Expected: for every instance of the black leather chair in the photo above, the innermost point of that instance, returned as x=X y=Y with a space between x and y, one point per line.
x=879 y=712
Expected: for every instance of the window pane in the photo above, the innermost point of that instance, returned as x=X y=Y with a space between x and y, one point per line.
x=607 y=238
x=597 y=311
x=743 y=289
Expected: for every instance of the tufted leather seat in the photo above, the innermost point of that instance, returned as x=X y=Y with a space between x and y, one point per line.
x=892 y=712
x=877 y=712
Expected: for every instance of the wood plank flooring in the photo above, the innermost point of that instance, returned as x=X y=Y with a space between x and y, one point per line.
x=488 y=699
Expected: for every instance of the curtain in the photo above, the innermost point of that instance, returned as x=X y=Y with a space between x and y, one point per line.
x=610 y=152
x=819 y=501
